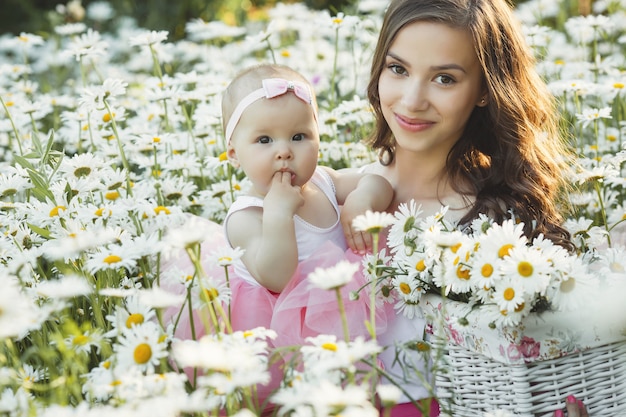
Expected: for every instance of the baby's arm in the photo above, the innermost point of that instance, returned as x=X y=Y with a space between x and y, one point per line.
x=359 y=192
x=268 y=235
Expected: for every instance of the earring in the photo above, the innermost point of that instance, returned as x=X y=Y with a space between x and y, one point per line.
x=483 y=101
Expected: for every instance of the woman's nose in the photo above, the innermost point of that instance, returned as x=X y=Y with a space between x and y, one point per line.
x=415 y=97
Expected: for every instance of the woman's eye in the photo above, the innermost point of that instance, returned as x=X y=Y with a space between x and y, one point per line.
x=264 y=139
x=397 y=69
x=444 y=79
x=298 y=137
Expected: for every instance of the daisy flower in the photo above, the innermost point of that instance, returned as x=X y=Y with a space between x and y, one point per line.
x=84 y=342
x=590 y=115
x=12 y=184
x=69 y=286
x=508 y=294
x=208 y=291
x=485 y=269
x=529 y=267
x=133 y=313
x=372 y=222
x=575 y=288
x=407 y=217
x=501 y=238
x=89 y=44
x=334 y=277
x=149 y=38
x=113 y=257
x=455 y=257
x=225 y=255
x=27 y=375
x=613 y=264
x=409 y=293
x=141 y=347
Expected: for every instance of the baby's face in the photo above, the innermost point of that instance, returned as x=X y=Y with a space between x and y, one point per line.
x=278 y=134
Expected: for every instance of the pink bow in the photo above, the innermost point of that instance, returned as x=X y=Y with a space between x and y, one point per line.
x=275 y=87
x=272 y=87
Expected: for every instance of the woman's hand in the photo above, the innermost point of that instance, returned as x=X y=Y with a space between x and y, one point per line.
x=573 y=407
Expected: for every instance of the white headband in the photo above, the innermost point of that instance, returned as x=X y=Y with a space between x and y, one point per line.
x=272 y=87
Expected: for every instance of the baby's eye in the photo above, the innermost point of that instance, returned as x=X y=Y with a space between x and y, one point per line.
x=264 y=139
x=397 y=69
x=444 y=79
x=298 y=137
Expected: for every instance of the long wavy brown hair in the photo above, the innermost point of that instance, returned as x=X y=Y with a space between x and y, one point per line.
x=511 y=154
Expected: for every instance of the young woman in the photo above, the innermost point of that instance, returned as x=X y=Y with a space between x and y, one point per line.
x=462 y=120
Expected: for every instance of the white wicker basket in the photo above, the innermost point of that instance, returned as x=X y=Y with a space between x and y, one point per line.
x=478 y=377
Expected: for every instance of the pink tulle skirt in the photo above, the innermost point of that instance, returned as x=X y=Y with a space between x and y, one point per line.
x=303 y=310
x=298 y=312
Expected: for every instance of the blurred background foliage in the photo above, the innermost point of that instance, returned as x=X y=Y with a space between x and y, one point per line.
x=40 y=16
x=37 y=16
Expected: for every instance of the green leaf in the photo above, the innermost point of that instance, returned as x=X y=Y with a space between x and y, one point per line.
x=45 y=233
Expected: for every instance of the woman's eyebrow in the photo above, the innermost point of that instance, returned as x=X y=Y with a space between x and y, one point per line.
x=444 y=67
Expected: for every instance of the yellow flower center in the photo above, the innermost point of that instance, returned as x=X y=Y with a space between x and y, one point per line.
x=329 y=346
x=211 y=293
x=161 y=209
x=223 y=157
x=134 y=318
x=618 y=85
x=462 y=273
x=420 y=265
x=112 y=259
x=108 y=117
x=112 y=195
x=525 y=269
x=56 y=210
x=156 y=139
x=519 y=307
x=143 y=353
x=405 y=288
x=285 y=53
x=454 y=248
x=80 y=340
x=504 y=250
x=509 y=294
x=247 y=333
x=101 y=212
x=486 y=270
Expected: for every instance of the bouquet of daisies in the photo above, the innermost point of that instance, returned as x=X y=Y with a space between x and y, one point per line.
x=490 y=266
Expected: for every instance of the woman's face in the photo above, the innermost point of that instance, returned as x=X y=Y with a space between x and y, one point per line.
x=429 y=86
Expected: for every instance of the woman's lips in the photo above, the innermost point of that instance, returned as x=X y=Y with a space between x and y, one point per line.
x=413 y=125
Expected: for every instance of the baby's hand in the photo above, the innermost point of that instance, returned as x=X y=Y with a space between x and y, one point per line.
x=359 y=242
x=283 y=197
